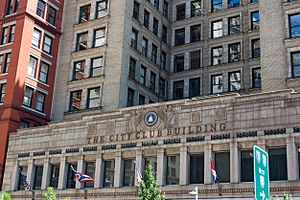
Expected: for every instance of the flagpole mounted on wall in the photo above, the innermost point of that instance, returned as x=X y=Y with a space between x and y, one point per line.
x=194 y=192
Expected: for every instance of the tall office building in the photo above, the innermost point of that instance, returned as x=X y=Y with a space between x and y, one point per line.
x=29 y=42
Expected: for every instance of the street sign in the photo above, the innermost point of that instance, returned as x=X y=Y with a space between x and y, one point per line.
x=261 y=174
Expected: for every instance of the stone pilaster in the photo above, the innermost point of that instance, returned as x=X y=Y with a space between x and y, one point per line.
x=99 y=172
x=80 y=168
x=207 y=170
x=15 y=176
x=62 y=173
x=183 y=180
x=30 y=172
x=139 y=164
x=118 y=170
x=161 y=167
x=234 y=163
x=46 y=174
x=291 y=157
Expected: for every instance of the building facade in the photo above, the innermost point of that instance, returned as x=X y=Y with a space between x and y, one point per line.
x=29 y=41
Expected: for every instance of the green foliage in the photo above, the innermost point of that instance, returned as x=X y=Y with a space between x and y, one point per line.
x=7 y=196
x=148 y=189
x=285 y=197
x=49 y=194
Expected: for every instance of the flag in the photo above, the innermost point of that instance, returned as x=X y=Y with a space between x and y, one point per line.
x=194 y=192
x=24 y=181
x=139 y=176
x=83 y=178
x=213 y=171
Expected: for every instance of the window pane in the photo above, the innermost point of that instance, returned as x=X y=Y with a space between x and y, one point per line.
x=44 y=73
x=51 y=15
x=48 y=44
x=27 y=97
x=38 y=177
x=94 y=98
x=99 y=37
x=278 y=164
x=23 y=171
x=247 y=166
x=295 y=64
x=222 y=162
x=36 y=38
x=40 y=102
x=179 y=37
x=109 y=171
x=173 y=167
x=197 y=169
x=2 y=92
x=75 y=100
x=54 y=176
x=256 y=78
x=178 y=89
x=234 y=52
x=90 y=171
x=234 y=81
x=179 y=63
x=78 y=71
x=40 y=11
x=129 y=173
x=84 y=13
x=217 y=84
x=180 y=12
x=195 y=59
x=71 y=182
x=97 y=64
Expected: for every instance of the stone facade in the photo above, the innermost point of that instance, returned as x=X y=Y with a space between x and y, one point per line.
x=230 y=123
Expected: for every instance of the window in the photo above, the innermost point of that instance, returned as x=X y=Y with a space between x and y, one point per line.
x=144 y=46
x=99 y=37
x=22 y=170
x=32 y=66
x=197 y=169
x=277 y=164
x=195 y=58
x=173 y=168
x=4 y=35
x=48 y=44
x=247 y=166
x=71 y=182
x=255 y=20
x=6 y=63
x=75 y=100
x=163 y=60
x=154 y=53
x=81 y=43
x=234 y=52
x=2 y=92
x=179 y=37
x=194 y=87
x=101 y=7
x=216 y=5
x=217 y=55
x=44 y=72
x=134 y=38
x=27 y=96
x=153 y=162
x=179 y=63
x=195 y=33
x=54 y=176
x=294 y=25
x=132 y=66
x=24 y=124
x=234 y=25
x=130 y=97
x=156 y=4
x=152 y=81
x=78 y=70
x=256 y=78
x=51 y=17
x=96 y=66
x=93 y=100
x=40 y=10
x=222 y=164
x=216 y=84
x=90 y=171
x=234 y=81
x=142 y=100
x=36 y=38
x=255 y=46
x=40 y=102
x=233 y=3
x=109 y=172
x=129 y=173
x=155 y=26
x=143 y=71
x=164 y=34
x=37 y=183
x=146 y=18
x=162 y=87
x=180 y=12
x=195 y=8
x=166 y=9
x=12 y=33
x=84 y=13
x=178 y=89
x=136 y=10
x=217 y=29
x=10 y=5
x=295 y=64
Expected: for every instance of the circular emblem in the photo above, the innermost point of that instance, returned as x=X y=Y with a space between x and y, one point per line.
x=150 y=118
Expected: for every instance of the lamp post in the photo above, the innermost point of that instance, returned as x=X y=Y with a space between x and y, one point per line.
x=194 y=192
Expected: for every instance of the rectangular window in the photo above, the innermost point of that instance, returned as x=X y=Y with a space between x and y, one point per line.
x=153 y=162
x=222 y=164
x=27 y=101
x=84 y=13
x=234 y=81
x=162 y=87
x=96 y=68
x=130 y=97
x=295 y=64
x=256 y=77
x=178 y=89
x=255 y=46
x=154 y=53
x=71 y=182
x=294 y=25
x=2 y=92
x=4 y=35
x=278 y=164
x=7 y=63
x=247 y=166
x=22 y=170
x=156 y=4
x=10 y=5
x=48 y=44
x=155 y=26
x=173 y=170
x=163 y=60
x=1 y=62
x=78 y=70
x=32 y=66
x=36 y=37
x=134 y=38
x=143 y=71
x=51 y=15
x=179 y=36
x=233 y=3
x=44 y=72
x=197 y=169
x=90 y=171
x=179 y=63
x=136 y=10
x=234 y=52
x=216 y=84
x=75 y=100
x=166 y=9
x=217 y=29
x=109 y=172
x=40 y=102
x=101 y=8
x=195 y=33
x=234 y=25
x=180 y=12
x=54 y=176
x=164 y=34
x=146 y=18
x=132 y=66
x=152 y=81
x=142 y=99
x=40 y=10
x=195 y=8
x=81 y=43
x=194 y=87
x=24 y=124
x=129 y=173
x=255 y=20
x=216 y=5
x=195 y=59
x=37 y=183
x=217 y=55
x=99 y=37
x=12 y=33
x=93 y=100
x=145 y=47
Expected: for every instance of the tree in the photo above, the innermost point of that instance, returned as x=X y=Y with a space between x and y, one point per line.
x=49 y=194
x=148 y=189
x=7 y=196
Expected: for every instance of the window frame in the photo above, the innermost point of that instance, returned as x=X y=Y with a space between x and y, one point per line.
x=28 y=97
x=90 y=99
x=41 y=103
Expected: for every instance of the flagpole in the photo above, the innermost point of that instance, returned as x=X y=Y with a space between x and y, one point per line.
x=196 y=193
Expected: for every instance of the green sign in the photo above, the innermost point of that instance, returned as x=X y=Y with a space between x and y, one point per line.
x=261 y=174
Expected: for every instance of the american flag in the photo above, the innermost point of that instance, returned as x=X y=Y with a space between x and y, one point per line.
x=213 y=171
x=139 y=176
x=23 y=180
x=83 y=178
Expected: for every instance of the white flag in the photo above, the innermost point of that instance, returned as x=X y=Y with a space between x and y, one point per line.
x=194 y=192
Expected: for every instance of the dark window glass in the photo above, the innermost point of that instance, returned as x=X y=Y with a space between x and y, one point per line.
x=136 y=10
x=142 y=100
x=194 y=87
x=54 y=176
x=48 y=44
x=180 y=12
x=129 y=173
x=197 y=169
x=2 y=92
x=12 y=33
x=179 y=37
x=162 y=87
x=36 y=37
x=153 y=162
x=166 y=9
x=143 y=72
x=195 y=33
x=22 y=170
x=216 y=55
x=234 y=52
x=130 y=97
x=178 y=89
x=255 y=48
x=27 y=101
x=216 y=5
x=84 y=13
x=152 y=81
x=71 y=182
x=90 y=171
x=179 y=63
x=146 y=18
x=51 y=17
x=10 y=5
x=93 y=100
x=234 y=25
x=294 y=23
x=38 y=177
x=101 y=7
x=295 y=64
x=96 y=67
x=195 y=57
x=247 y=166
x=132 y=66
x=155 y=26
x=4 y=35
x=163 y=60
x=24 y=124
x=278 y=164
x=222 y=162
x=40 y=10
x=256 y=78
x=195 y=8
x=173 y=170
x=156 y=4
x=217 y=29
x=109 y=172
x=7 y=63
x=154 y=53
x=75 y=100
x=234 y=81
x=145 y=47
x=78 y=70
x=164 y=34
x=81 y=43
x=233 y=3
x=134 y=38
x=216 y=84
x=40 y=101
x=255 y=20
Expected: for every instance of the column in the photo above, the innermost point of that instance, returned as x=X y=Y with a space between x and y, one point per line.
x=80 y=168
x=30 y=172
x=15 y=176
x=183 y=180
x=46 y=174
x=262 y=144
x=139 y=164
x=118 y=170
x=161 y=167
x=62 y=173
x=234 y=163
x=207 y=170
x=99 y=172
x=291 y=157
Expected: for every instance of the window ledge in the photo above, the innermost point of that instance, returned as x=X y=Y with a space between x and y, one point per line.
x=83 y=110
x=4 y=74
x=6 y=44
x=84 y=79
x=78 y=24
x=33 y=110
x=34 y=79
